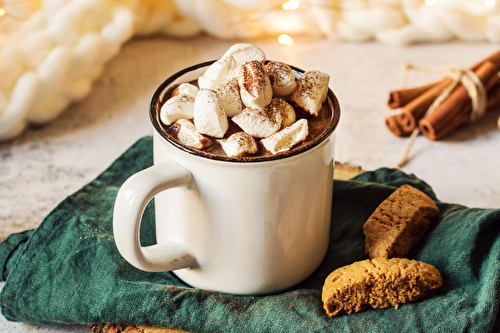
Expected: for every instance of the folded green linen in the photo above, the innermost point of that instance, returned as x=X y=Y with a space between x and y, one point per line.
x=68 y=270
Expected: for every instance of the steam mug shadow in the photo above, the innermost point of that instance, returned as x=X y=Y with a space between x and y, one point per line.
x=248 y=226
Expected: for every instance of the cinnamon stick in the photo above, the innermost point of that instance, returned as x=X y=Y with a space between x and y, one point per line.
x=393 y=123
x=399 y=98
x=456 y=108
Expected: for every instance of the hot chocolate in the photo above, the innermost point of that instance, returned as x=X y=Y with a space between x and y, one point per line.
x=247 y=110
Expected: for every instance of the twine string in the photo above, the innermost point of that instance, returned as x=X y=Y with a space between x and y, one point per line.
x=468 y=78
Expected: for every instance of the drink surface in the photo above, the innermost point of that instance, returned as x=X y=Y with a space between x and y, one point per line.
x=316 y=124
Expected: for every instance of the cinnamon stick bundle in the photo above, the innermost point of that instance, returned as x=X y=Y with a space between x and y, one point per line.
x=456 y=109
x=415 y=102
x=414 y=110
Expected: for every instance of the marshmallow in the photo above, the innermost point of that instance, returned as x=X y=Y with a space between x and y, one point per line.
x=311 y=91
x=239 y=144
x=217 y=72
x=287 y=111
x=177 y=107
x=229 y=95
x=185 y=89
x=286 y=138
x=188 y=135
x=255 y=87
x=282 y=78
x=209 y=115
x=257 y=122
x=243 y=53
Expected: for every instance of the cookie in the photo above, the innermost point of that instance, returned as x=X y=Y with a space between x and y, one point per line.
x=378 y=283
x=399 y=223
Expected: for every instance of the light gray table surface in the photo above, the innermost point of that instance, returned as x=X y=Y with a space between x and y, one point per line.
x=46 y=164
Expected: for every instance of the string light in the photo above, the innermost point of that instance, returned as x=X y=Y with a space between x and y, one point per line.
x=291 y=5
x=3 y=12
x=285 y=40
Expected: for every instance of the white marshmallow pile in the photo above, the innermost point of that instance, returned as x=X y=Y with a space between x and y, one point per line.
x=240 y=87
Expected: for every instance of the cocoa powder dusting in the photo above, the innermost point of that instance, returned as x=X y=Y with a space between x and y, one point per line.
x=252 y=76
x=228 y=87
x=277 y=72
x=308 y=86
x=316 y=124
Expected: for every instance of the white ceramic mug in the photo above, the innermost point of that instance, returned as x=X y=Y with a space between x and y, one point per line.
x=242 y=227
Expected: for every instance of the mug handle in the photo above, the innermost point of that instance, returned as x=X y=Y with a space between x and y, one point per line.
x=130 y=203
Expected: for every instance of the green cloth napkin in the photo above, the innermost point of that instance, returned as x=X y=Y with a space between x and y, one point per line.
x=68 y=270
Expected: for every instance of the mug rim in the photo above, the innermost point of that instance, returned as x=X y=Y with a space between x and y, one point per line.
x=155 y=120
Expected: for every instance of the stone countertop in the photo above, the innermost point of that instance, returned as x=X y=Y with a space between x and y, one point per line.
x=47 y=163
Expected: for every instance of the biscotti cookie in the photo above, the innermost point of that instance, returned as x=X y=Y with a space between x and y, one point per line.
x=398 y=223
x=378 y=283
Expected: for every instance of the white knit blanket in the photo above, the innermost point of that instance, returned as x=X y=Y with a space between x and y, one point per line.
x=50 y=59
